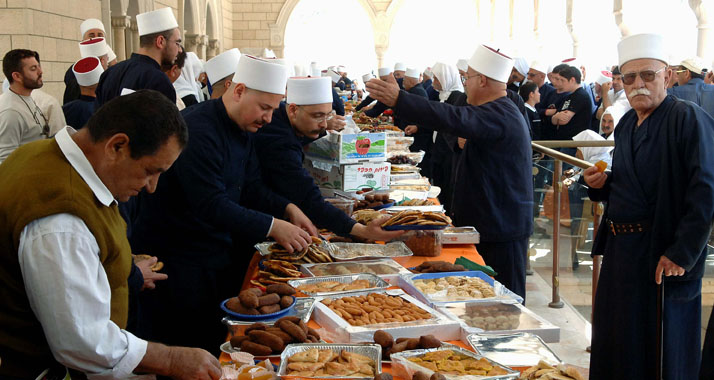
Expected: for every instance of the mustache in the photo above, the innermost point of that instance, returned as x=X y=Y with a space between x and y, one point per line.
x=639 y=91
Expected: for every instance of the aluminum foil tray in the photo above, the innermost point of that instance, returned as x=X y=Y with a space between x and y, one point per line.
x=263 y=248
x=387 y=269
x=502 y=293
x=404 y=368
x=461 y=235
x=373 y=351
x=337 y=329
x=375 y=283
x=356 y=251
x=303 y=309
x=513 y=350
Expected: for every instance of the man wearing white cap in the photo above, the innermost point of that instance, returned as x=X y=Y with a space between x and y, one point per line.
x=343 y=74
x=615 y=93
x=427 y=83
x=400 y=70
x=90 y=28
x=337 y=104
x=279 y=146
x=211 y=205
x=537 y=74
x=518 y=74
x=93 y=47
x=494 y=182
x=660 y=205
x=383 y=73
x=159 y=41
x=690 y=77
x=421 y=133
x=220 y=69
x=77 y=112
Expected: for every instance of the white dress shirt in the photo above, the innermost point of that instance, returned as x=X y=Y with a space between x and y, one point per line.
x=68 y=288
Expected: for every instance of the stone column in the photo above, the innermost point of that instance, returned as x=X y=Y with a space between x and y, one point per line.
x=213 y=49
x=277 y=42
x=570 y=26
x=619 y=21
x=134 y=34
x=202 y=45
x=191 y=42
x=119 y=25
x=702 y=9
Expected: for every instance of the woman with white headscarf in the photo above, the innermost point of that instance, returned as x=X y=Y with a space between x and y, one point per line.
x=187 y=86
x=448 y=83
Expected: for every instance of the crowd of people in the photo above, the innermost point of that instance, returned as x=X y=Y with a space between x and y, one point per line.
x=195 y=163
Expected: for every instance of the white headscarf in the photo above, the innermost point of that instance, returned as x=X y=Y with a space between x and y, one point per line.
x=593 y=154
x=616 y=111
x=187 y=83
x=448 y=76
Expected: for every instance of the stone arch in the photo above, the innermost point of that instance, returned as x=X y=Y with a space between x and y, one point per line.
x=277 y=30
x=213 y=28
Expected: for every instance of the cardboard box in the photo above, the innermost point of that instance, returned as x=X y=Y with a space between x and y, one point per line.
x=329 y=175
x=349 y=148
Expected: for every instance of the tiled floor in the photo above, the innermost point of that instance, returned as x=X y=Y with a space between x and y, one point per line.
x=576 y=284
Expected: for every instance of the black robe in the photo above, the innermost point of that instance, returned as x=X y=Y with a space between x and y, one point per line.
x=281 y=157
x=71 y=87
x=423 y=138
x=663 y=173
x=77 y=112
x=140 y=72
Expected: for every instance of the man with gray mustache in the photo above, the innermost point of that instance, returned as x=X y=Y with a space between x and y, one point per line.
x=660 y=207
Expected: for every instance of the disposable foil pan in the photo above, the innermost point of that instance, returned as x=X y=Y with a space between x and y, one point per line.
x=402 y=367
x=303 y=309
x=355 y=251
x=264 y=248
x=372 y=351
x=375 y=282
x=514 y=350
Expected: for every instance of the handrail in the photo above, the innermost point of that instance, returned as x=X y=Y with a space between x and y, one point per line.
x=574 y=144
x=562 y=156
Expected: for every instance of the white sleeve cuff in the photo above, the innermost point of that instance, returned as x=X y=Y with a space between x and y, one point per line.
x=135 y=351
x=272 y=221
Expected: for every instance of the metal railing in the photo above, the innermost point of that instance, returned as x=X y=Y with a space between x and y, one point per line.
x=558 y=186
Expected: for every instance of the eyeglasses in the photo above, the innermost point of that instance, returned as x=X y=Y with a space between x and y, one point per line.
x=465 y=78
x=321 y=118
x=646 y=75
x=45 y=126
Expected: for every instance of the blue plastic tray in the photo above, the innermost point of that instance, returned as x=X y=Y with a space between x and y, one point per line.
x=386 y=205
x=413 y=227
x=260 y=317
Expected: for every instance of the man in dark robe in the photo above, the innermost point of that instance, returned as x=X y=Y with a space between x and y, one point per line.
x=87 y=72
x=279 y=147
x=90 y=28
x=494 y=185
x=159 y=43
x=413 y=127
x=209 y=200
x=662 y=185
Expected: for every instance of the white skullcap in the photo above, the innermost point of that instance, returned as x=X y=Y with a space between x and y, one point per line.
x=87 y=71
x=646 y=45
x=89 y=24
x=603 y=77
x=400 y=66
x=286 y=63
x=367 y=77
x=261 y=75
x=491 y=63
x=539 y=66
x=340 y=69
x=93 y=47
x=333 y=74
x=694 y=64
x=156 y=21
x=462 y=64
x=307 y=91
x=521 y=66
x=222 y=65
x=413 y=73
x=384 y=71
x=428 y=73
x=111 y=55
x=574 y=63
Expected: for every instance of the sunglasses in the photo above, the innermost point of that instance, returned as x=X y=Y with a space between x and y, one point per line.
x=646 y=75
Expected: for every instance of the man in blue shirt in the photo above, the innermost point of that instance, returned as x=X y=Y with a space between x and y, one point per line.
x=690 y=78
x=159 y=41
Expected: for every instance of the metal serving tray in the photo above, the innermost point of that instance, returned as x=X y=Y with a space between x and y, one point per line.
x=375 y=283
x=373 y=351
x=357 y=251
x=263 y=248
x=502 y=293
x=402 y=367
x=386 y=268
x=303 y=309
x=339 y=330
x=460 y=235
x=514 y=350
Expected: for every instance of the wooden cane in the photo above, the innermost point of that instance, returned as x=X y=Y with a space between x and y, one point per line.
x=660 y=331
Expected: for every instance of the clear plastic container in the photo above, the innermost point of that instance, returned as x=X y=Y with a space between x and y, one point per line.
x=343 y=204
x=423 y=242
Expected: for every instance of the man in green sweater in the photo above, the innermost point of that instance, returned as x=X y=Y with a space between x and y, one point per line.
x=64 y=255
